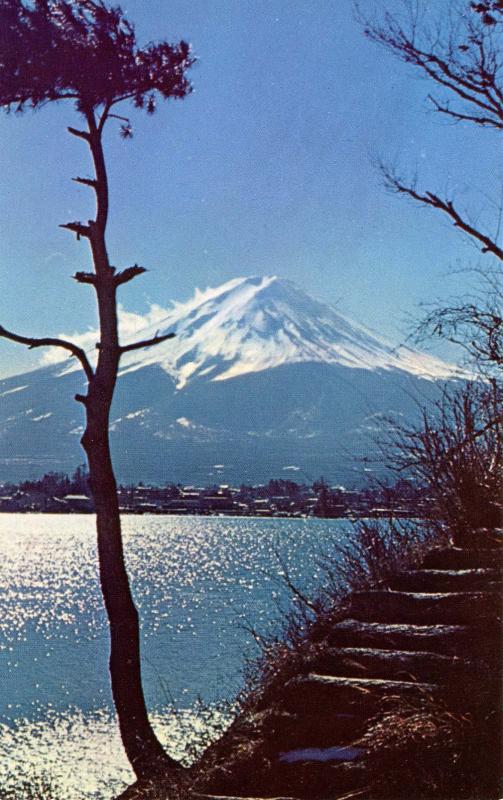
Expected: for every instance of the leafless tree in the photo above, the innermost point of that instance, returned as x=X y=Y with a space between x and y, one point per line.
x=458 y=48
x=456 y=453
x=473 y=321
x=460 y=52
x=86 y=52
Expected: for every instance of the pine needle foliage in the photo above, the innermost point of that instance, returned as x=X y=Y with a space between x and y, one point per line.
x=83 y=51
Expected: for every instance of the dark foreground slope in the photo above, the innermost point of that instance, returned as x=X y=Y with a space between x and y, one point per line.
x=397 y=697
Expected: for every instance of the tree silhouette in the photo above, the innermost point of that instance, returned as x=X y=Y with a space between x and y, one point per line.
x=456 y=450
x=86 y=52
x=457 y=454
x=461 y=55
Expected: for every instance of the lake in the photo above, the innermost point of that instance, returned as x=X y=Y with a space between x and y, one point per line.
x=199 y=583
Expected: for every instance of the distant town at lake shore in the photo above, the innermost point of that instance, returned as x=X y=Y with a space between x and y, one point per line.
x=59 y=493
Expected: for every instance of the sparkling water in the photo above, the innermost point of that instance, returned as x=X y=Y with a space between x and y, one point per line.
x=199 y=582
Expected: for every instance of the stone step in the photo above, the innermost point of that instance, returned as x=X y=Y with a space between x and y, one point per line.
x=314 y=693
x=318 y=780
x=445 y=639
x=366 y=662
x=463 y=558
x=325 y=728
x=479 y=538
x=199 y=796
x=301 y=780
x=447 y=580
x=451 y=608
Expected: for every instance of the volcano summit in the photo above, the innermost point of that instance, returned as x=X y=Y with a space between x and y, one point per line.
x=260 y=381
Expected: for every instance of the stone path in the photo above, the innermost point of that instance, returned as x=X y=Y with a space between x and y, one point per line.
x=432 y=632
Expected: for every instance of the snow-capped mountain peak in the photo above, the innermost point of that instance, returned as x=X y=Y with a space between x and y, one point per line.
x=252 y=324
x=260 y=381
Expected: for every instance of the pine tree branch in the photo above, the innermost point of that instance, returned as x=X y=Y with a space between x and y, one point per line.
x=85 y=277
x=118 y=116
x=31 y=342
x=128 y=274
x=79 y=134
x=86 y=182
x=78 y=229
x=146 y=343
x=104 y=115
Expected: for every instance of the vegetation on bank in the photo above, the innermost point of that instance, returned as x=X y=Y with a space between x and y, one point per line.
x=375 y=551
x=419 y=748
x=423 y=748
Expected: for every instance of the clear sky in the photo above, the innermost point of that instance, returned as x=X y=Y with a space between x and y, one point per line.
x=265 y=168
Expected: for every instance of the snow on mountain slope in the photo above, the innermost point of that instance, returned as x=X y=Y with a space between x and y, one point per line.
x=259 y=380
x=252 y=324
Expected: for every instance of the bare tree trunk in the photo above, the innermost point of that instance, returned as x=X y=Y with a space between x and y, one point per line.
x=142 y=747
x=86 y=52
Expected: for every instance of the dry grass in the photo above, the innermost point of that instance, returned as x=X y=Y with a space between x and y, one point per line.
x=426 y=751
x=380 y=549
x=376 y=550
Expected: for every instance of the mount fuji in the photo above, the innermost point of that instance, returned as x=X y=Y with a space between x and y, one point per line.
x=260 y=381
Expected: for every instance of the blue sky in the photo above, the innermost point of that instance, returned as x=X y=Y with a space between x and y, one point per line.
x=265 y=168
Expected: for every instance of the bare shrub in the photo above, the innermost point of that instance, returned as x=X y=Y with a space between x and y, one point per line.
x=381 y=548
x=375 y=549
x=456 y=455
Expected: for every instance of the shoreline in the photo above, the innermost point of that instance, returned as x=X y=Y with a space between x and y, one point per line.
x=349 y=517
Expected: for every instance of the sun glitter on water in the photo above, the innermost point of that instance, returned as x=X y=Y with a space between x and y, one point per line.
x=198 y=583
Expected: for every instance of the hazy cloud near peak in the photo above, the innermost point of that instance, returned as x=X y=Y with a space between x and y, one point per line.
x=130 y=325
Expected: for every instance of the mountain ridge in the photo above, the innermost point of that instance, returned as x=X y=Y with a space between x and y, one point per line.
x=261 y=380
x=251 y=324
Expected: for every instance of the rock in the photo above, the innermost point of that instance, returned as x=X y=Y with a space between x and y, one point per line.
x=463 y=558
x=446 y=639
x=447 y=580
x=451 y=608
x=367 y=662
